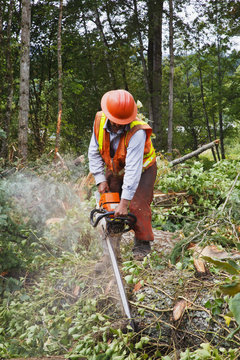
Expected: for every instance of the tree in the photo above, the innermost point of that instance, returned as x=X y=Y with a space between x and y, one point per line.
x=217 y=13
x=152 y=65
x=9 y=81
x=155 y=18
x=59 y=49
x=118 y=44
x=43 y=77
x=24 y=80
x=171 y=75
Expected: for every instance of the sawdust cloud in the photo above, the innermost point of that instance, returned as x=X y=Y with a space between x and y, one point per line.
x=60 y=220
x=51 y=208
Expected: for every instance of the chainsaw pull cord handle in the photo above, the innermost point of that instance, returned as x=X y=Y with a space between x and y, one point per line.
x=129 y=220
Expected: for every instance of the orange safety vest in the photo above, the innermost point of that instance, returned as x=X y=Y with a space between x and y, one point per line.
x=117 y=163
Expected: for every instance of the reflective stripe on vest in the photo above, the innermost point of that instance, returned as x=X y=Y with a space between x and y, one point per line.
x=132 y=124
x=136 y=122
x=147 y=158
x=100 y=134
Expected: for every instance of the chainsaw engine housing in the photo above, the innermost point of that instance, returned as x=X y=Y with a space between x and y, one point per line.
x=109 y=201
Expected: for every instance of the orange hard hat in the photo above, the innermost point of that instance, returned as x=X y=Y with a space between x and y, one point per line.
x=119 y=106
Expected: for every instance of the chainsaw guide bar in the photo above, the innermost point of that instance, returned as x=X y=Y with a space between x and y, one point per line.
x=104 y=215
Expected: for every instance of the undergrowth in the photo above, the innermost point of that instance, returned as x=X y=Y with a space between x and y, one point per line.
x=51 y=302
x=205 y=192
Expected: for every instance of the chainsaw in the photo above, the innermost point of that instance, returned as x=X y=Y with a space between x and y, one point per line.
x=103 y=215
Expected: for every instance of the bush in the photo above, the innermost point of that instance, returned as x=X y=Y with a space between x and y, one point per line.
x=14 y=237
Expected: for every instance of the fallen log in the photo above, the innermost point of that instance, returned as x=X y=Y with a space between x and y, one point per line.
x=195 y=153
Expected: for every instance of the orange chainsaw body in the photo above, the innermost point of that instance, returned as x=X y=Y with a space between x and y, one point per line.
x=109 y=201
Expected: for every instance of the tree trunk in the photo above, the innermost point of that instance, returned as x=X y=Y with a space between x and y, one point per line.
x=59 y=53
x=215 y=136
x=214 y=122
x=220 y=115
x=218 y=25
x=24 y=80
x=155 y=13
x=35 y=106
x=190 y=112
x=205 y=110
x=9 y=83
x=2 y=8
x=171 y=73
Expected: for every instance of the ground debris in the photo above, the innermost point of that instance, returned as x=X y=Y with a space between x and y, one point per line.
x=173 y=310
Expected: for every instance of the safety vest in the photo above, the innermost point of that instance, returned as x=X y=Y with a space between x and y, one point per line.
x=117 y=163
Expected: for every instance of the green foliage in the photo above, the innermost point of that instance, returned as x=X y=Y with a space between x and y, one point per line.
x=2 y=134
x=205 y=191
x=231 y=286
x=47 y=319
x=229 y=266
x=14 y=237
x=233 y=146
x=132 y=270
x=215 y=306
x=207 y=352
x=56 y=306
x=41 y=321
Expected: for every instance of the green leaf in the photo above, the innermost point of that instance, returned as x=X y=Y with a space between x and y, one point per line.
x=234 y=264
x=235 y=331
x=3 y=134
x=179 y=266
x=223 y=265
x=139 y=345
x=140 y=297
x=234 y=305
x=231 y=289
x=129 y=279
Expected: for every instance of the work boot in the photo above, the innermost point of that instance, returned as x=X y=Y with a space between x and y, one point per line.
x=141 y=249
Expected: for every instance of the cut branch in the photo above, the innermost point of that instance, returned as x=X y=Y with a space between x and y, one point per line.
x=195 y=153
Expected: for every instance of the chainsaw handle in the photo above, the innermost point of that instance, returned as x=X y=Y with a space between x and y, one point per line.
x=129 y=220
x=92 y=213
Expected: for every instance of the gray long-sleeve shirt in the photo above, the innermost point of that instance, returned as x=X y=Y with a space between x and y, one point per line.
x=134 y=159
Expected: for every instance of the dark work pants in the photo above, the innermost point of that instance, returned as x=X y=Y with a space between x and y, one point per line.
x=140 y=204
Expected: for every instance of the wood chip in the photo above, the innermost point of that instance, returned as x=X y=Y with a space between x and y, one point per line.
x=179 y=309
x=76 y=290
x=137 y=287
x=199 y=266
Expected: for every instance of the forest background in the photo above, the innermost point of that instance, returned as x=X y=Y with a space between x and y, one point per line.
x=180 y=59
